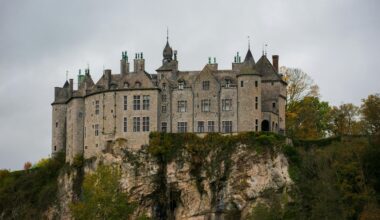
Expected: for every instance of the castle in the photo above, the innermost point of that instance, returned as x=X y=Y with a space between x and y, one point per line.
x=249 y=97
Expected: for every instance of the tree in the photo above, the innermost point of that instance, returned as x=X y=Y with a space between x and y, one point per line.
x=371 y=113
x=300 y=85
x=308 y=118
x=103 y=197
x=344 y=119
x=27 y=165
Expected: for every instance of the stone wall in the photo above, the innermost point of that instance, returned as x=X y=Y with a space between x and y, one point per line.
x=58 y=128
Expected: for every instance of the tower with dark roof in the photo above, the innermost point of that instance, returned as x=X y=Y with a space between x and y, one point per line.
x=251 y=96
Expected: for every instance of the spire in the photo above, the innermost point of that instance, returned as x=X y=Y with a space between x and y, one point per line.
x=168 y=52
x=249 y=57
x=249 y=43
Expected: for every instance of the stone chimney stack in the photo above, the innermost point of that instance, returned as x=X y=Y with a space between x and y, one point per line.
x=124 y=65
x=71 y=86
x=107 y=76
x=275 y=62
x=138 y=63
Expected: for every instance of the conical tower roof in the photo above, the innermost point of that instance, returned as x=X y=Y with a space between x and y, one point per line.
x=168 y=52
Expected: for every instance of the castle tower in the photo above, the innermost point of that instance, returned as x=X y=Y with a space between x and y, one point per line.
x=169 y=62
x=249 y=95
x=59 y=119
x=74 y=128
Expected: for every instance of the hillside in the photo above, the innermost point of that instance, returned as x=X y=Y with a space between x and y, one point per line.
x=183 y=176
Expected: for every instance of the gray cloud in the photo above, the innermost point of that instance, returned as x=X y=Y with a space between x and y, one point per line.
x=333 y=41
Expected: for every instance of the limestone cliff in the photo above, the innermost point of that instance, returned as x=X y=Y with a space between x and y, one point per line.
x=198 y=180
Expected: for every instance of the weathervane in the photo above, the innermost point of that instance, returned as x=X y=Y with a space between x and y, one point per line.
x=249 y=42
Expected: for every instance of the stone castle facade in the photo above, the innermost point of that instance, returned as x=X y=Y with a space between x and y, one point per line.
x=249 y=97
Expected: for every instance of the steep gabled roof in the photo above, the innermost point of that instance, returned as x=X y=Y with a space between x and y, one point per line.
x=267 y=70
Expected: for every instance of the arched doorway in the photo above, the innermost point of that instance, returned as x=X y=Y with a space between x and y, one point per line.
x=265 y=125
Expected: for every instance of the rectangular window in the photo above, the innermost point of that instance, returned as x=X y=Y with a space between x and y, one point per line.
x=226 y=104
x=182 y=106
x=164 y=86
x=145 y=123
x=205 y=104
x=211 y=126
x=181 y=85
x=228 y=83
x=256 y=125
x=125 y=102
x=136 y=102
x=257 y=102
x=96 y=129
x=125 y=124
x=164 y=127
x=146 y=102
x=227 y=126
x=136 y=124
x=256 y=83
x=163 y=98
x=201 y=126
x=163 y=109
x=96 y=107
x=182 y=127
x=274 y=105
x=241 y=83
x=56 y=124
x=206 y=85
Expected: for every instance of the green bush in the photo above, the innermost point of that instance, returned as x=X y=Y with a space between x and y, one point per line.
x=27 y=194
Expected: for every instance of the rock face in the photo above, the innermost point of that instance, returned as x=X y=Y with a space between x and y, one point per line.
x=192 y=188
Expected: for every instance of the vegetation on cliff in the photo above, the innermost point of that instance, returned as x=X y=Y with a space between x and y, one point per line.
x=102 y=196
x=28 y=193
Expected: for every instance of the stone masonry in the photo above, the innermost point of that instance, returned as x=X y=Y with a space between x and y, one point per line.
x=129 y=105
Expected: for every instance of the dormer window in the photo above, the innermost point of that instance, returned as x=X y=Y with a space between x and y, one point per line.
x=181 y=85
x=126 y=85
x=228 y=83
x=137 y=85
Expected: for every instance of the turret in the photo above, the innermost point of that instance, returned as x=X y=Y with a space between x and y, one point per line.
x=249 y=95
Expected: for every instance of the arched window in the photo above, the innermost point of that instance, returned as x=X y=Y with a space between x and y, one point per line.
x=138 y=85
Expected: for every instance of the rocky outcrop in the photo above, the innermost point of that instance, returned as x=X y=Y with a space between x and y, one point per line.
x=187 y=187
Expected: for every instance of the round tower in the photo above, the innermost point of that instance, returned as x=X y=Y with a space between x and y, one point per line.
x=58 y=128
x=249 y=96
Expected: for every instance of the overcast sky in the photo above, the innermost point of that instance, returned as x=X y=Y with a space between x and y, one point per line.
x=335 y=42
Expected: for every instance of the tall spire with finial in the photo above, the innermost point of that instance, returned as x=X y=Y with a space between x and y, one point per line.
x=168 y=52
x=249 y=43
x=249 y=57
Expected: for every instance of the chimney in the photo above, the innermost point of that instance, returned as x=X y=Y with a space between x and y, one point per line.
x=71 y=86
x=138 y=63
x=124 y=65
x=107 y=76
x=275 y=62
